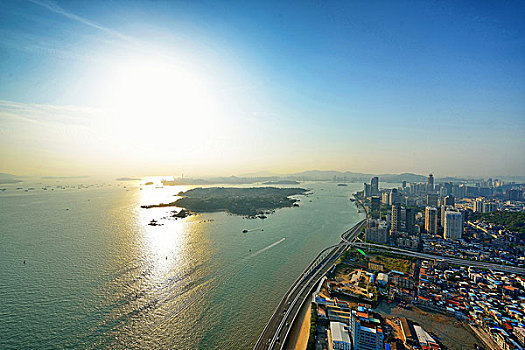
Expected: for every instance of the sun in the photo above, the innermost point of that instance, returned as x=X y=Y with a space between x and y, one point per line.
x=148 y=94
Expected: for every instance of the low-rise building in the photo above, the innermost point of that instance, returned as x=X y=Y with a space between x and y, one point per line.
x=339 y=337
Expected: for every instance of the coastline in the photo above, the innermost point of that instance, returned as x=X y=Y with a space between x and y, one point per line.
x=300 y=331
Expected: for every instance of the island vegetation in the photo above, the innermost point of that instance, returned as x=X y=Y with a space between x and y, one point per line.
x=251 y=202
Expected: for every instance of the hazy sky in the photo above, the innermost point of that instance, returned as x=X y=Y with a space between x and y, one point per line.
x=228 y=87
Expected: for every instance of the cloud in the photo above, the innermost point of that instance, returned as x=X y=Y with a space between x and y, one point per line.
x=52 y=6
x=45 y=114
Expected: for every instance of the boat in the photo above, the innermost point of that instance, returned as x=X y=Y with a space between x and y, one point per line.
x=154 y=222
x=244 y=231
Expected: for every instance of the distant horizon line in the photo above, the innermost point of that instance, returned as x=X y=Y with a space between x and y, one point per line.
x=266 y=174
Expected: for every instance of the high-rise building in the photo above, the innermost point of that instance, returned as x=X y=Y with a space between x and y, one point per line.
x=396 y=218
x=404 y=184
x=377 y=231
x=366 y=190
x=375 y=207
x=449 y=201
x=374 y=183
x=453 y=225
x=432 y=200
x=394 y=196
x=513 y=194
x=477 y=206
x=431 y=224
x=386 y=198
x=471 y=191
x=444 y=209
x=410 y=220
x=489 y=207
x=365 y=330
x=430 y=183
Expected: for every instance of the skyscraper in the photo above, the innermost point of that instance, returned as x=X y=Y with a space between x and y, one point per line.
x=444 y=209
x=394 y=196
x=366 y=190
x=374 y=183
x=432 y=200
x=375 y=207
x=453 y=225
x=410 y=220
x=396 y=217
x=449 y=201
x=430 y=183
x=431 y=224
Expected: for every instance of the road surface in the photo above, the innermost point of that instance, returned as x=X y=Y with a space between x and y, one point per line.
x=276 y=331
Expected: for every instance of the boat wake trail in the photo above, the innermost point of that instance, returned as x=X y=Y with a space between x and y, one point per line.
x=264 y=249
x=212 y=284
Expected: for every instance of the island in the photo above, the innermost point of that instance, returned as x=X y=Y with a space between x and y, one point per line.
x=252 y=202
x=281 y=182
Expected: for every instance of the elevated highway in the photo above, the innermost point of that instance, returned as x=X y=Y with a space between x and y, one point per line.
x=278 y=327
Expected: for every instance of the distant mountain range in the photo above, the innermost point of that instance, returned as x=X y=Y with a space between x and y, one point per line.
x=310 y=175
x=351 y=176
x=8 y=179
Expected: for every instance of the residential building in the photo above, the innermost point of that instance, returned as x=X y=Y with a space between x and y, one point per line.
x=410 y=220
x=432 y=200
x=375 y=207
x=453 y=225
x=394 y=196
x=477 y=206
x=386 y=198
x=449 y=201
x=489 y=207
x=365 y=330
x=431 y=224
x=396 y=217
x=377 y=232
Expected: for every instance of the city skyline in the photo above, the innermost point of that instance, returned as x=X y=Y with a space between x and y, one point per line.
x=215 y=88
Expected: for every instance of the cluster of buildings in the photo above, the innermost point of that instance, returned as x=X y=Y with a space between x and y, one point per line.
x=354 y=325
x=492 y=302
x=435 y=217
x=441 y=219
x=349 y=327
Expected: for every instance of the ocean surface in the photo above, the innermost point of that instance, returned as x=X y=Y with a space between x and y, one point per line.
x=97 y=276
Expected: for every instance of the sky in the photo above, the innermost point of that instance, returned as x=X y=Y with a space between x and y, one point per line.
x=136 y=88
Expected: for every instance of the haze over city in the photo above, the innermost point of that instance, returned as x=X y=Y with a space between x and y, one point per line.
x=216 y=88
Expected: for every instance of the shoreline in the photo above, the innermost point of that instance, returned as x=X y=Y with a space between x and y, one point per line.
x=300 y=330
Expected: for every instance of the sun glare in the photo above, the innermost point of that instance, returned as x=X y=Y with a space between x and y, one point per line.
x=152 y=100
